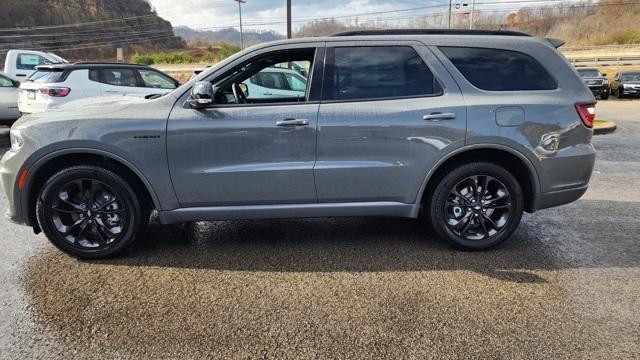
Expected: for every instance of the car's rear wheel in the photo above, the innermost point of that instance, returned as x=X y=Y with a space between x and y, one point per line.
x=476 y=206
x=89 y=212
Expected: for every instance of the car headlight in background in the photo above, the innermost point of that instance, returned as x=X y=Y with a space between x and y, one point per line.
x=16 y=140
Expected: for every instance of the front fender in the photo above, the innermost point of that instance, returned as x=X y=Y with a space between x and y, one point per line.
x=160 y=189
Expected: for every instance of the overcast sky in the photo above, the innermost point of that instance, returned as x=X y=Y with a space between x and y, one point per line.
x=215 y=14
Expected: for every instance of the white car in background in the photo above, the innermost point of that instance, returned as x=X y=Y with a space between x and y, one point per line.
x=8 y=100
x=20 y=64
x=52 y=86
x=273 y=82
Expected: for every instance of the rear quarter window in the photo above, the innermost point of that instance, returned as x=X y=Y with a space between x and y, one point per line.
x=499 y=69
x=42 y=76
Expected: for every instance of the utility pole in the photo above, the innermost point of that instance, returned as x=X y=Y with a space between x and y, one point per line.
x=473 y=7
x=240 y=2
x=288 y=19
x=450 y=14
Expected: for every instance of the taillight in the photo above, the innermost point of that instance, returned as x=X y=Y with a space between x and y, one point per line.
x=587 y=112
x=55 y=91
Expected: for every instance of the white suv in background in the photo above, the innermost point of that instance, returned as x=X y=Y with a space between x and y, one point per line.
x=276 y=82
x=51 y=86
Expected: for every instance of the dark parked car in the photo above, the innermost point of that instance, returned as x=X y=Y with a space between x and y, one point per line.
x=597 y=83
x=626 y=84
x=467 y=128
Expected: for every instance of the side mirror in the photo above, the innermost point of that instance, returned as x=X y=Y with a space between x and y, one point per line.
x=202 y=95
x=604 y=74
x=244 y=88
x=16 y=83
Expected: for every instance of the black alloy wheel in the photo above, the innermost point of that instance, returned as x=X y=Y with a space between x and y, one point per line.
x=476 y=205
x=89 y=212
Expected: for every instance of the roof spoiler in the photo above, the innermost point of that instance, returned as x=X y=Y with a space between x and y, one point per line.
x=556 y=42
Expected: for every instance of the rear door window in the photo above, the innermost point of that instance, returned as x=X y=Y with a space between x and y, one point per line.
x=119 y=77
x=499 y=69
x=270 y=80
x=377 y=72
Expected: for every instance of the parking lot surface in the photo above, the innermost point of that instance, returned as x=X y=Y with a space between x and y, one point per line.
x=566 y=285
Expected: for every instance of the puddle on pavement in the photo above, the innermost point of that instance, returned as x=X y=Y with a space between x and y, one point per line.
x=323 y=288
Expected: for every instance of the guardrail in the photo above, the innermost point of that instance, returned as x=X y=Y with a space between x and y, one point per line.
x=597 y=47
x=605 y=61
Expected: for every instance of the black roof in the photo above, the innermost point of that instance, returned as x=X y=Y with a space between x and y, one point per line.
x=430 y=32
x=86 y=65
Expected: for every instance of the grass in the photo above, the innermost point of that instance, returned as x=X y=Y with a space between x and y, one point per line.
x=212 y=54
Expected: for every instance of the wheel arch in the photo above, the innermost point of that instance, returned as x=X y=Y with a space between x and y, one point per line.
x=53 y=162
x=514 y=161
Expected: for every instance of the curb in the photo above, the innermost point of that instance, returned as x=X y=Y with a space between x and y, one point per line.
x=609 y=127
x=4 y=137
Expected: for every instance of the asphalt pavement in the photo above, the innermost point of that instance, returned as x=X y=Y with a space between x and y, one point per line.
x=567 y=285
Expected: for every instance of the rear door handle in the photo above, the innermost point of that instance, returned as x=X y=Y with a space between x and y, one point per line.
x=439 y=116
x=293 y=122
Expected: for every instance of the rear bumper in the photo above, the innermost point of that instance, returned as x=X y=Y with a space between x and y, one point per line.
x=557 y=198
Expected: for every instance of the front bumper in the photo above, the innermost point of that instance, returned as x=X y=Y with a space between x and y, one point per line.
x=599 y=90
x=631 y=91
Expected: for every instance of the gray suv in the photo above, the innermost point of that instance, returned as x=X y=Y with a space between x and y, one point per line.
x=464 y=130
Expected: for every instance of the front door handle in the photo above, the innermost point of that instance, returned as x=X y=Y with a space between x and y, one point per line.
x=439 y=116
x=293 y=122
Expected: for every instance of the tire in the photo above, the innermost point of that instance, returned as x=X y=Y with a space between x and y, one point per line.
x=504 y=212
x=604 y=96
x=620 y=93
x=89 y=212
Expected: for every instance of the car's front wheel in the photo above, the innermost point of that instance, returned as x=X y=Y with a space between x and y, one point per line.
x=620 y=93
x=89 y=212
x=476 y=206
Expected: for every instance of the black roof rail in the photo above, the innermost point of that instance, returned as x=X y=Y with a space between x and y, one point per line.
x=429 y=32
x=106 y=63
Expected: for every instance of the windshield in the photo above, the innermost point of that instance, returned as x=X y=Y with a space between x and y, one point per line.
x=588 y=72
x=631 y=78
x=57 y=59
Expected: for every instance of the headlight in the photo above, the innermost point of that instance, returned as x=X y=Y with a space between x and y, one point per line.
x=16 y=140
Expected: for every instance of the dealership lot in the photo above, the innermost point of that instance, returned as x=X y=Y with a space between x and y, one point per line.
x=566 y=285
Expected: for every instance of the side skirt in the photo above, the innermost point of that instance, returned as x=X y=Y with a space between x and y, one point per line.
x=383 y=208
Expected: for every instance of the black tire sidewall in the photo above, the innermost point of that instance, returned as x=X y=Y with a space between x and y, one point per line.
x=441 y=192
x=117 y=183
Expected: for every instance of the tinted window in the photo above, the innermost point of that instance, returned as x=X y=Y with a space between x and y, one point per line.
x=119 y=77
x=29 y=62
x=588 y=72
x=270 y=80
x=154 y=79
x=377 y=72
x=4 y=82
x=94 y=75
x=42 y=76
x=499 y=70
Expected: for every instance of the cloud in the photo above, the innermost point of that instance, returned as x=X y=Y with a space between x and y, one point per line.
x=261 y=14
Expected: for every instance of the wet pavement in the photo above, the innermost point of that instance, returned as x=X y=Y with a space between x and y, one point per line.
x=566 y=285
